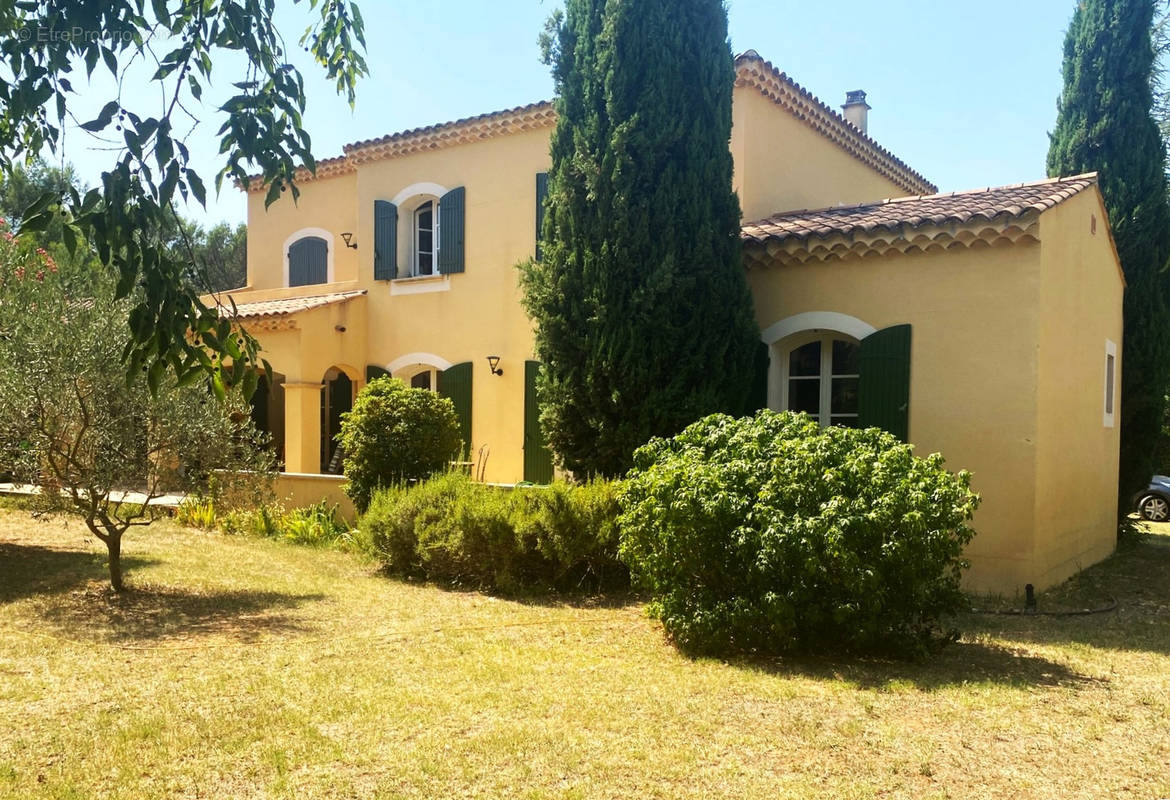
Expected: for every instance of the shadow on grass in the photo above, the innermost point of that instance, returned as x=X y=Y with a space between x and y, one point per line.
x=962 y=663
x=27 y=570
x=75 y=601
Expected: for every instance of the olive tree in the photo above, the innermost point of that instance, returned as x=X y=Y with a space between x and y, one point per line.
x=73 y=422
x=161 y=56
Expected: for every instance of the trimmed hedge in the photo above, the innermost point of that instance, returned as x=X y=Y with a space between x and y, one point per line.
x=395 y=433
x=771 y=533
x=452 y=530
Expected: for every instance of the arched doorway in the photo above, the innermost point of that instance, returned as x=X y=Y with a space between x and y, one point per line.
x=336 y=399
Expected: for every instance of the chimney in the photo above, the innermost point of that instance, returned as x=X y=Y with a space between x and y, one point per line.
x=856 y=110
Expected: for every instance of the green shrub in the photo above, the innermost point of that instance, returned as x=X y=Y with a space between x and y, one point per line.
x=196 y=512
x=317 y=525
x=452 y=530
x=393 y=434
x=574 y=527
x=771 y=533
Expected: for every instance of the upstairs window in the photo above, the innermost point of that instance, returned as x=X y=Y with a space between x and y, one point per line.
x=308 y=261
x=430 y=241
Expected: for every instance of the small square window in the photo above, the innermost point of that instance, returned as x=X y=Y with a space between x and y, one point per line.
x=1110 y=381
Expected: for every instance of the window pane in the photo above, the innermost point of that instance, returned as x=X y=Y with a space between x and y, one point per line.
x=424 y=216
x=421 y=380
x=805 y=395
x=425 y=264
x=844 y=396
x=845 y=422
x=846 y=357
x=424 y=242
x=805 y=361
x=1109 y=384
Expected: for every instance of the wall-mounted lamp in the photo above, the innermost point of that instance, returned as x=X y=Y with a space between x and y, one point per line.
x=494 y=364
x=346 y=237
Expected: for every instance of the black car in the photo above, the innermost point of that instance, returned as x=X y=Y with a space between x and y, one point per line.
x=1153 y=502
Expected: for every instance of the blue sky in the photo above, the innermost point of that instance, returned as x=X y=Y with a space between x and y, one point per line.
x=963 y=92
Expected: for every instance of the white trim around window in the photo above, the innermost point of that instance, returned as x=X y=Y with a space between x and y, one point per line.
x=301 y=234
x=1110 y=387
x=418 y=359
x=817 y=321
x=416 y=189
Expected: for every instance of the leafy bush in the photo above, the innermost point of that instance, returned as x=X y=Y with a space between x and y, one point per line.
x=317 y=525
x=771 y=533
x=453 y=530
x=393 y=434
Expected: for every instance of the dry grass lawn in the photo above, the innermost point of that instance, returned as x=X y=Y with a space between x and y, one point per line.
x=239 y=668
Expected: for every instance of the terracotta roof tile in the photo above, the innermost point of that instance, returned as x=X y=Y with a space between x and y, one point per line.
x=990 y=204
x=752 y=70
x=286 y=306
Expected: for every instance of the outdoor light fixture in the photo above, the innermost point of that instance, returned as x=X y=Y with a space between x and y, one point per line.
x=494 y=364
x=347 y=236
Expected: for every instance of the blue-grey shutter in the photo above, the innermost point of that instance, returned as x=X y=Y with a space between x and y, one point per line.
x=308 y=261
x=455 y=383
x=541 y=194
x=385 y=240
x=884 y=389
x=451 y=223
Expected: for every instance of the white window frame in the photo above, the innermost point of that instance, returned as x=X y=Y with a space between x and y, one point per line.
x=826 y=376
x=415 y=251
x=304 y=233
x=1110 y=388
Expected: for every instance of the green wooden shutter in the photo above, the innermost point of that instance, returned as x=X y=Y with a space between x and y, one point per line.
x=373 y=371
x=538 y=463
x=385 y=240
x=541 y=194
x=455 y=383
x=759 y=391
x=308 y=261
x=884 y=393
x=451 y=223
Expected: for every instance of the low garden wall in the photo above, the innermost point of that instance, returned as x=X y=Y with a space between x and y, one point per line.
x=301 y=489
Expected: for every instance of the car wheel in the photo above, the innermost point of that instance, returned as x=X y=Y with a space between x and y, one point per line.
x=1154 y=508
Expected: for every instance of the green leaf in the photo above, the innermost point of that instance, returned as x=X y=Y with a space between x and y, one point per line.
x=197 y=189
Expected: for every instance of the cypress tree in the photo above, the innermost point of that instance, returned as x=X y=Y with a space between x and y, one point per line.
x=1105 y=124
x=642 y=311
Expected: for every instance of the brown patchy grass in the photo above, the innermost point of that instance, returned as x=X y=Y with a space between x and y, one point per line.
x=239 y=668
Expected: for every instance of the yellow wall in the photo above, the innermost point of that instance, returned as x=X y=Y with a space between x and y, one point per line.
x=297 y=490
x=327 y=204
x=973 y=369
x=480 y=315
x=781 y=164
x=1077 y=455
x=790 y=167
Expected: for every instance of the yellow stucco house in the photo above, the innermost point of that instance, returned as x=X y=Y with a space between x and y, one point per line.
x=985 y=325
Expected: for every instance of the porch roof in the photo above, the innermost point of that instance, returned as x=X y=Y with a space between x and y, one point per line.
x=287 y=306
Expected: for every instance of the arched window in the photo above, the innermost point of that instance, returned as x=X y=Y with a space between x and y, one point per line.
x=821 y=375
x=308 y=261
